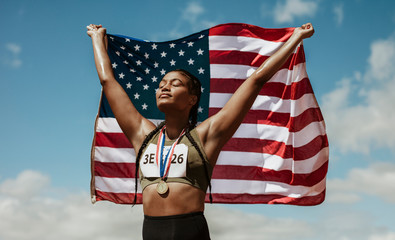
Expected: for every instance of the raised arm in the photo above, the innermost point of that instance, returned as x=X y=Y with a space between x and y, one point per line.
x=132 y=123
x=218 y=129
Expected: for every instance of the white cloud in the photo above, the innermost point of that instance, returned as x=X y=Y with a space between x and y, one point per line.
x=382 y=59
x=383 y=236
x=12 y=55
x=33 y=216
x=289 y=10
x=27 y=184
x=74 y=217
x=376 y=180
x=191 y=15
x=226 y=224
x=367 y=124
x=339 y=13
x=192 y=12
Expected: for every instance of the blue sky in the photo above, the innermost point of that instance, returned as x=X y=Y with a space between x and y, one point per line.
x=50 y=93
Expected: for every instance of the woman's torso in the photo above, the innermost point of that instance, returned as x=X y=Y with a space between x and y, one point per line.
x=180 y=199
x=186 y=192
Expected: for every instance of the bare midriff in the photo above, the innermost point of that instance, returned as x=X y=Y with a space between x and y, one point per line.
x=180 y=199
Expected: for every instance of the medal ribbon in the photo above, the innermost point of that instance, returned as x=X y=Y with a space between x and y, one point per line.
x=164 y=163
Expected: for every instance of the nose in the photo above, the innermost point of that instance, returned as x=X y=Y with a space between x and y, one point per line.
x=166 y=87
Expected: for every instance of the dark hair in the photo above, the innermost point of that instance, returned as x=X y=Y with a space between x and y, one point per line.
x=194 y=87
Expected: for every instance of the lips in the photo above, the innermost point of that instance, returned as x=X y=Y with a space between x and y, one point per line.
x=164 y=95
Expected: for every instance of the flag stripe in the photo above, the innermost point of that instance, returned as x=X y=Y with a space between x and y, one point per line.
x=249 y=128
x=120 y=155
x=124 y=198
x=237 y=144
x=229 y=158
x=246 y=30
x=294 y=124
x=126 y=170
x=218 y=100
x=245 y=130
x=277 y=148
x=222 y=186
x=263 y=174
x=272 y=89
x=267 y=198
x=243 y=44
x=250 y=58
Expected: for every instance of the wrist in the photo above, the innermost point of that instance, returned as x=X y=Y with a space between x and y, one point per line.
x=296 y=36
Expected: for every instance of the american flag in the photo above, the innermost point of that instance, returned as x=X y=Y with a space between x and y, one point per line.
x=280 y=152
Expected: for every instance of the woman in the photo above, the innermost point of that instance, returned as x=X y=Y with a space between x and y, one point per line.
x=176 y=158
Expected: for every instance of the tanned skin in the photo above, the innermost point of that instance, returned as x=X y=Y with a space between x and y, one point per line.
x=175 y=101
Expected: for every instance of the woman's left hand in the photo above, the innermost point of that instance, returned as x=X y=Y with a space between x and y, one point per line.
x=305 y=31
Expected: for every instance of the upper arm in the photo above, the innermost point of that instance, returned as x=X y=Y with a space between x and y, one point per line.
x=132 y=123
x=219 y=128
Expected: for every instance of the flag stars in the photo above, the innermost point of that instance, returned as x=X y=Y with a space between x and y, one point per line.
x=112 y=38
x=144 y=106
x=202 y=90
x=200 y=109
x=139 y=79
x=190 y=44
x=136 y=96
x=172 y=62
x=145 y=87
x=191 y=61
x=114 y=65
x=127 y=40
x=201 y=36
x=121 y=75
x=128 y=85
x=200 y=51
x=201 y=70
x=172 y=45
x=126 y=62
x=154 y=46
x=147 y=70
x=137 y=48
x=181 y=53
x=163 y=72
x=132 y=70
x=154 y=79
x=130 y=55
x=163 y=54
x=138 y=62
x=146 y=55
x=156 y=65
x=118 y=53
x=123 y=47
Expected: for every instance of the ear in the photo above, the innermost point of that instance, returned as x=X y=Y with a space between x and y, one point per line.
x=192 y=100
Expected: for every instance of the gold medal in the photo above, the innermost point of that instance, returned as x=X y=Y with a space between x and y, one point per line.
x=162 y=187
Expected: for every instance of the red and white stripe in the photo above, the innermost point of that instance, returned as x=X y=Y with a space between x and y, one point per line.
x=280 y=152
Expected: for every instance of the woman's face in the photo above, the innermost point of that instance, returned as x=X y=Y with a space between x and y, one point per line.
x=173 y=93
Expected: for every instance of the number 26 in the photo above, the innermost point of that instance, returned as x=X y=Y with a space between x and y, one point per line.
x=178 y=159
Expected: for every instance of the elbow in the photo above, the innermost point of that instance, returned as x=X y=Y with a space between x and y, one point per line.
x=105 y=77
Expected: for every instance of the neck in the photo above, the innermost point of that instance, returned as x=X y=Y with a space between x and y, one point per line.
x=175 y=125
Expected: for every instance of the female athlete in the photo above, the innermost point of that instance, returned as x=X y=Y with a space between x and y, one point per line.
x=176 y=158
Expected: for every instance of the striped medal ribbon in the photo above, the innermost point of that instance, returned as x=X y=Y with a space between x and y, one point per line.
x=164 y=162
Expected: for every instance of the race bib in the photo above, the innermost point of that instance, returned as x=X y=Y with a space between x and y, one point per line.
x=178 y=166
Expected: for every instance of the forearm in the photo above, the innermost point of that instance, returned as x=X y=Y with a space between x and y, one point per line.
x=102 y=60
x=277 y=60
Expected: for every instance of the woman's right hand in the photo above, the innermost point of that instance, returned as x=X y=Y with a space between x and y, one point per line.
x=96 y=31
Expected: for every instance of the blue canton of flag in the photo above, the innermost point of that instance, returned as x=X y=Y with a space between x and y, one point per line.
x=140 y=65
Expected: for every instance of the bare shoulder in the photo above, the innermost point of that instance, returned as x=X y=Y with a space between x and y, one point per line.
x=211 y=145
